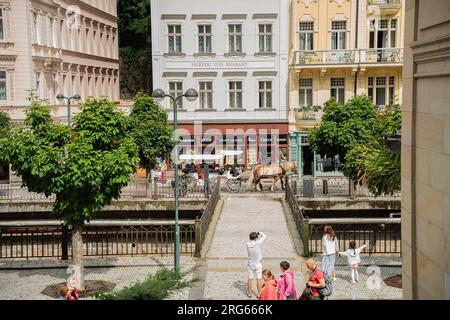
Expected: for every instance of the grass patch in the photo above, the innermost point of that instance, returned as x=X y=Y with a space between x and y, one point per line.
x=157 y=286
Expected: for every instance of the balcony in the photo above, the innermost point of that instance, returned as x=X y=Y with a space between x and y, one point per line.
x=51 y=57
x=388 y=56
x=383 y=7
x=306 y=117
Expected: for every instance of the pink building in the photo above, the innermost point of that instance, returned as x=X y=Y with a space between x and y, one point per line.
x=57 y=46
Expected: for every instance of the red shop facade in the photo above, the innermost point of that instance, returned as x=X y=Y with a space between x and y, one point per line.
x=256 y=143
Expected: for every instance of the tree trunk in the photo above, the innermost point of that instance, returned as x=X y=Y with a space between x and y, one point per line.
x=77 y=252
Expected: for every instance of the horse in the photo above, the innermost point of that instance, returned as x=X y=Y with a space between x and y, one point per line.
x=290 y=167
x=260 y=171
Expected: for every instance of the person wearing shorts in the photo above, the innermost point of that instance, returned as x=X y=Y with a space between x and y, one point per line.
x=254 y=261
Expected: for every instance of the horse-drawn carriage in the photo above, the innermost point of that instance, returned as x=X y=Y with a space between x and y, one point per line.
x=253 y=176
x=236 y=176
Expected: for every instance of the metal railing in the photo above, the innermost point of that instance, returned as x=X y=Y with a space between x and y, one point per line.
x=46 y=241
x=372 y=2
x=326 y=187
x=349 y=56
x=299 y=219
x=137 y=188
x=383 y=236
x=202 y=224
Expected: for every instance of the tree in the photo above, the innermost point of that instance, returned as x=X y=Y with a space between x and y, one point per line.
x=85 y=167
x=151 y=132
x=344 y=126
x=135 y=47
x=5 y=124
x=355 y=131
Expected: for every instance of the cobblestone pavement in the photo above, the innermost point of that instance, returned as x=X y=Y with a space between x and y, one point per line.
x=372 y=271
x=27 y=284
x=226 y=276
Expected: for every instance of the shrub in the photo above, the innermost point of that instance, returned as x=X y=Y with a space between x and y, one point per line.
x=155 y=287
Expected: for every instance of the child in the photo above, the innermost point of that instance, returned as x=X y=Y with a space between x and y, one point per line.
x=269 y=288
x=354 y=259
x=65 y=293
x=286 y=284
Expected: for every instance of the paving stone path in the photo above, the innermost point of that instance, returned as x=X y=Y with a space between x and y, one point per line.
x=226 y=276
x=226 y=261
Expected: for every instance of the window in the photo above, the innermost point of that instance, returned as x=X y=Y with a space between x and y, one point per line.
x=379 y=92
x=37 y=35
x=175 y=38
x=206 y=95
x=204 y=39
x=338 y=89
x=384 y=35
x=305 y=93
x=55 y=84
x=235 y=37
x=175 y=89
x=54 y=34
x=37 y=83
x=265 y=38
x=391 y=90
x=306 y=35
x=235 y=94
x=393 y=33
x=265 y=94
x=380 y=95
x=2 y=35
x=2 y=85
x=338 y=35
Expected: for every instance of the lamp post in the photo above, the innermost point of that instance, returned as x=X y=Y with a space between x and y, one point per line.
x=191 y=95
x=61 y=98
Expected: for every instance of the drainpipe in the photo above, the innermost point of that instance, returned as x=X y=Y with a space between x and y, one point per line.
x=356 y=47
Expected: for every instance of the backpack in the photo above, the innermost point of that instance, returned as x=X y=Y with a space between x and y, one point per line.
x=328 y=289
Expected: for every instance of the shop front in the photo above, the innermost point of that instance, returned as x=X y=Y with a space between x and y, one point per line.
x=259 y=143
x=309 y=162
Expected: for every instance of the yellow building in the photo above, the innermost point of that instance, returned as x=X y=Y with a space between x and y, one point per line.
x=340 y=48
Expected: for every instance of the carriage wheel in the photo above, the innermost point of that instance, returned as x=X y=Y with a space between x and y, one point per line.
x=182 y=187
x=234 y=185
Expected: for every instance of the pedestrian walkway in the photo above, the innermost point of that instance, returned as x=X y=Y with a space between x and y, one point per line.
x=225 y=267
x=226 y=276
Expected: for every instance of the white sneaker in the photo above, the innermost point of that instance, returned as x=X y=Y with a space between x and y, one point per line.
x=334 y=279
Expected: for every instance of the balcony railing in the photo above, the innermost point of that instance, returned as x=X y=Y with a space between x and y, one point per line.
x=358 y=56
x=373 y=2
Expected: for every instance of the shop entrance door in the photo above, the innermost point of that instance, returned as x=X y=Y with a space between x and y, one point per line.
x=307 y=161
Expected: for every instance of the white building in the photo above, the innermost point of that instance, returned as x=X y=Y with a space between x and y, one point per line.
x=57 y=46
x=235 y=53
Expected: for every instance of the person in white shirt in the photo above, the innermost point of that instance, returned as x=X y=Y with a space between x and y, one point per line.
x=254 y=261
x=353 y=259
x=330 y=248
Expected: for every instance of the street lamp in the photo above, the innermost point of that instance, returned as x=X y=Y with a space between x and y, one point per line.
x=61 y=98
x=191 y=95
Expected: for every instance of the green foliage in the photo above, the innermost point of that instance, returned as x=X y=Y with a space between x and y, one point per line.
x=135 y=47
x=5 y=124
x=375 y=168
x=356 y=131
x=151 y=132
x=344 y=126
x=391 y=119
x=85 y=167
x=154 y=287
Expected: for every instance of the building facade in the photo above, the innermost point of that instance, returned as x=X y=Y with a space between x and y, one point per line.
x=340 y=48
x=235 y=54
x=426 y=151
x=57 y=46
